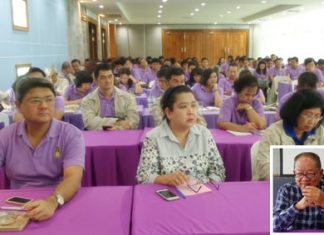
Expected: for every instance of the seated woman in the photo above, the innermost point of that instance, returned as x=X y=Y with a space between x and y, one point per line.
x=301 y=122
x=206 y=92
x=195 y=76
x=74 y=93
x=128 y=83
x=242 y=112
x=179 y=150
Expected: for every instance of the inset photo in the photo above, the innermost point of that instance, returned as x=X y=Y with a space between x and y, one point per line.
x=297 y=189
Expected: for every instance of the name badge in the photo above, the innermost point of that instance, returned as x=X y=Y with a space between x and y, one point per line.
x=57 y=152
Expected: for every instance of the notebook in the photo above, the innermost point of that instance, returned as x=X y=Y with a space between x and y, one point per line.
x=192 y=189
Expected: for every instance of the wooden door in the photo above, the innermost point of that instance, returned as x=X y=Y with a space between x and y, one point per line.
x=193 y=44
x=93 y=54
x=112 y=40
x=173 y=44
x=104 y=43
x=215 y=46
x=237 y=43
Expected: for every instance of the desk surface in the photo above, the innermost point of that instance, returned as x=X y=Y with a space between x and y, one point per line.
x=97 y=210
x=236 y=208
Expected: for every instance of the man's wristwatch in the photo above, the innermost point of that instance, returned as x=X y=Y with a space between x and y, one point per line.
x=59 y=199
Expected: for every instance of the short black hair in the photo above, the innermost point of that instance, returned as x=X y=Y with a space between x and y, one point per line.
x=312 y=155
x=245 y=81
x=25 y=85
x=309 y=60
x=100 y=67
x=35 y=70
x=75 y=60
x=155 y=60
x=206 y=75
x=295 y=58
x=307 y=80
x=82 y=77
x=299 y=101
x=163 y=72
x=169 y=96
x=320 y=62
x=174 y=71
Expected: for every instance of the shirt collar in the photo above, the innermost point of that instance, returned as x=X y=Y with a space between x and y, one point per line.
x=167 y=132
x=53 y=131
x=291 y=132
x=105 y=98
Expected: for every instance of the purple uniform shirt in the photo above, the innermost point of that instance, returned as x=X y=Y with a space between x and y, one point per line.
x=225 y=86
x=72 y=93
x=107 y=107
x=59 y=104
x=26 y=167
x=126 y=88
x=294 y=73
x=205 y=98
x=261 y=76
x=228 y=111
x=273 y=72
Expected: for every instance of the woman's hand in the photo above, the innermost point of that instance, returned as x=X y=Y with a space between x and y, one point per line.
x=173 y=179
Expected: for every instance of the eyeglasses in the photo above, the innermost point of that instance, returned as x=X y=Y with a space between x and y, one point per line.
x=38 y=101
x=307 y=175
x=309 y=117
x=194 y=187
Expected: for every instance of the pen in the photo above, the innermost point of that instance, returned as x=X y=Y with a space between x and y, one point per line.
x=13 y=208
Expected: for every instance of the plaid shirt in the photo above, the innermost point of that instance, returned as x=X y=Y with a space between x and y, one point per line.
x=287 y=217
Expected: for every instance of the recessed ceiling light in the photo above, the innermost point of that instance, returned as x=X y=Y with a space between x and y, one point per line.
x=323 y=3
x=196 y=9
x=101 y=15
x=101 y=6
x=159 y=22
x=220 y=15
x=161 y=6
x=164 y=0
x=215 y=23
x=94 y=0
x=238 y=7
x=160 y=11
x=203 y=4
x=109 y=21
x=192 y=13
x=116 y=20
x=120 y=23
x=229 y=12
x=159 y=16
x=263 y=1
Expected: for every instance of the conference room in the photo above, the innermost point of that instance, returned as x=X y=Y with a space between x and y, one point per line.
x=141 y=55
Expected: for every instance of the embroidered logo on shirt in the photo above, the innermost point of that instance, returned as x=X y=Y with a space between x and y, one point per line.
x=57 y=152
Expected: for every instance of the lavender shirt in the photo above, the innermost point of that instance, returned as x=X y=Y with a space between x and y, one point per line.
x=126 y=88
x=273 y=72
x=228 y=111
x=294 y=73
x=286 y=97
x=71 y=93
x=59 y=104
x=107 y=107
x=261 y=76
x=62 y=146
x=205 y=98
x=225 y=85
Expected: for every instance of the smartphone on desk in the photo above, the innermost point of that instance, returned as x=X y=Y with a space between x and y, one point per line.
x=166 y=194
x=107 y=128
x=18 y=200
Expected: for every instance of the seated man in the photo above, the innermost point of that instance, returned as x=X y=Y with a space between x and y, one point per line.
x=42 y=151
x=108 y=106
x=174 y=76
x=225 y=85
x=242 y=112
x=300 y=205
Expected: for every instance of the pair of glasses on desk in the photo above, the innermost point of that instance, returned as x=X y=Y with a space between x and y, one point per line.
x=197 y=186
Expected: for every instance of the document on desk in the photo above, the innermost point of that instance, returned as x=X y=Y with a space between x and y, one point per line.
x=239 y=133
x=190 y=190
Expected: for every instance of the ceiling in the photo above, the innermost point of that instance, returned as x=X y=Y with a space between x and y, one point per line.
x=213 y=12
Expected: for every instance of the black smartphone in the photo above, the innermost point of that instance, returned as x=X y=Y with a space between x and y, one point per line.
x=18 y=200
x=107 y=128
x=166 y=194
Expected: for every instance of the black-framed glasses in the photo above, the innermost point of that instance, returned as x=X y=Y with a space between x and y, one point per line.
x=194 y=187
x=309 y=175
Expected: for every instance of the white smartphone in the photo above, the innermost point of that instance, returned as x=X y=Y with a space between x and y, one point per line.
x=166 y=194
x=18 y=200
